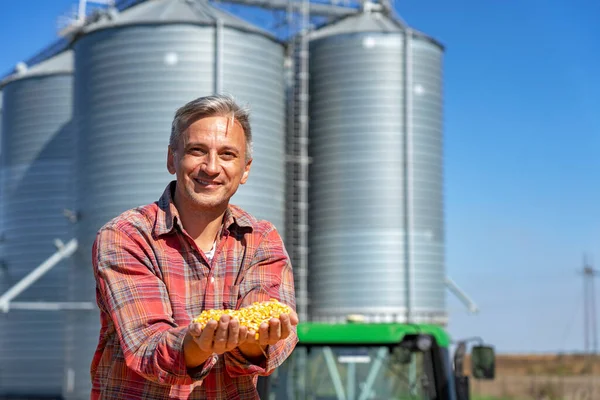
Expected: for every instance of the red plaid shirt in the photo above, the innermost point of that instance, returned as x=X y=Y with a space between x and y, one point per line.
x=152 y=280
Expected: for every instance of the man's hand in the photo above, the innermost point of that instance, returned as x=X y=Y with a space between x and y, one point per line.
x=219 y=337
x=270 y=333
x=227 y=334
x=275 y=330
x=216 y=337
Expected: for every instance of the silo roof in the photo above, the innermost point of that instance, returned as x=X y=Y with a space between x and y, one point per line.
x=197 y=12
x=368 y=21
x=360 y=22
x=62 y=63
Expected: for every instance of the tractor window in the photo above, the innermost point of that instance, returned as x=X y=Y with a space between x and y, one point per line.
x=357 y=373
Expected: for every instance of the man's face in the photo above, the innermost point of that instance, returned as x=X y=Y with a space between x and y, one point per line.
x=210 y=163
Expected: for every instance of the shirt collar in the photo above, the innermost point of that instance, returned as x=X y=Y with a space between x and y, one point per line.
x=167 y=216
x=234 y=216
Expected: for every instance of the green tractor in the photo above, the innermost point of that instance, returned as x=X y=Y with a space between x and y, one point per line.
x=364 y=361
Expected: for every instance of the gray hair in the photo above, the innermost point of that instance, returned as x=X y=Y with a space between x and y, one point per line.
x=218 y=105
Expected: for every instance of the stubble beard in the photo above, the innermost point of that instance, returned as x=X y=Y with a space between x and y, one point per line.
x=204 y=202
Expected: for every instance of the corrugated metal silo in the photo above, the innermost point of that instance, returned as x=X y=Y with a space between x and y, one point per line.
x=0 y=127
x=1 y=201
x=376 y=203
x=2 y=284
x=132 y=71
x=37 y=188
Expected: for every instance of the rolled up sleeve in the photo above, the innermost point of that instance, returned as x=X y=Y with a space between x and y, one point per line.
x=269 y=276
x=137 y=302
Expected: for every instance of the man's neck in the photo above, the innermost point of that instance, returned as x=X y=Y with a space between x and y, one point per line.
x=203 y=226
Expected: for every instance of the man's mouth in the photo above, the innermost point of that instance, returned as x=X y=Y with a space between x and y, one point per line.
x=206 y=182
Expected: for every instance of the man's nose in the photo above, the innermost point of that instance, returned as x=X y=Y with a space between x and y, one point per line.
x=211 y=164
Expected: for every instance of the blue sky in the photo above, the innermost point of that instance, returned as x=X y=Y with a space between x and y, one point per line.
x=522 y=140
x=521 y=163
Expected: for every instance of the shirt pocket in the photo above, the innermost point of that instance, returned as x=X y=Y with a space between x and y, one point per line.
x=258 y=293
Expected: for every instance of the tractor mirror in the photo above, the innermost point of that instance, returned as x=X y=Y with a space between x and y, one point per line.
x=483 y=362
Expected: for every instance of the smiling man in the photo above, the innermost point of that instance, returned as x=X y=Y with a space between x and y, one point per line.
x=159 y=266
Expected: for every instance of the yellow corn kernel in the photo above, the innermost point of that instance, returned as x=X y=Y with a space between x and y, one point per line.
x=250 y=317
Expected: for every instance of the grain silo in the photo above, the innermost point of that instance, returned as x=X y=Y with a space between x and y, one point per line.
x=376 y=204
x=2 y=263
x=133 y=69
x=0 y=128
x=37 y=154
x=1 y=202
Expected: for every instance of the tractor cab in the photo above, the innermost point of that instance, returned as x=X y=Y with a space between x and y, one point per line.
x=360 y=361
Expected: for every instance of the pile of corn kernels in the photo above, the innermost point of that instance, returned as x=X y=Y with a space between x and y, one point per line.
x=251 y=316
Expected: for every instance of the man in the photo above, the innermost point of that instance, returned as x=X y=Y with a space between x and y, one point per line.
x=159 y=266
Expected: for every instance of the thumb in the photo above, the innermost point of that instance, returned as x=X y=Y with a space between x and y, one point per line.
x=293 y=318
x=195 y=329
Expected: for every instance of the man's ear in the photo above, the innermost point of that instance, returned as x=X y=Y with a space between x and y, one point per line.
x=246 y=172
x=171 y=160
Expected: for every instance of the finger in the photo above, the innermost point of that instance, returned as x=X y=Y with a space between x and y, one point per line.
x=220 y=343
x=233 y=338
x=225 y=319
x=251 y=337
x=195 y=329
x=274 y=330
x=243 y=334
x=294 y=318
x=286 y=325
x=263 y=334
x=205 y=340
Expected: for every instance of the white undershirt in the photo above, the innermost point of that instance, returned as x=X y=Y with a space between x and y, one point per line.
x=210 y=254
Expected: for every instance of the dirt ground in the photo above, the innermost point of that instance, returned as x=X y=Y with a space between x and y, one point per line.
x=542 y=377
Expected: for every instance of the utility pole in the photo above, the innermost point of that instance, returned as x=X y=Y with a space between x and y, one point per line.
x=590 y=328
